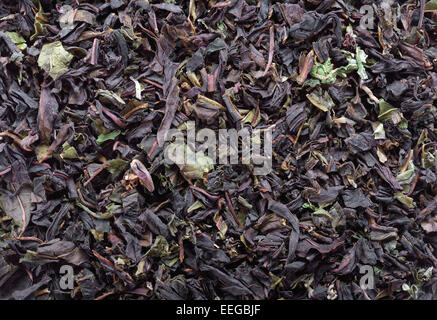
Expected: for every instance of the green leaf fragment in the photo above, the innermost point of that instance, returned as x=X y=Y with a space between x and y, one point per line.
x=428 y=159
x=407 y=201
x=221 y=225
x=19 y=41
x=361 y=57
x=38 y=25
x=161 y=249
x=389 y=113
x=323 y=72
x=42 y=152
x=108 y=136
x=194 y=165
x=385 y=110
x=350 y=67
x=54 y=59
x=321 y=100
x=382 y=236
x=326 y=73
x=39 y=30
x=407 y=177
x=117 y=166
x=196 y=205
x=69 y=152
x=244 y=202
x=431 y=5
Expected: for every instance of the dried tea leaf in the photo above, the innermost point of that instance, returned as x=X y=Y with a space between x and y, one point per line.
x=107 y=136
x=321 y=99
x=18 y=206
x=54 y=59
x=19 y=41
x=117 y=166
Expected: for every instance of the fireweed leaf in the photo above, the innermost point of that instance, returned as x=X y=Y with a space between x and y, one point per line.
x=18 y=207
x=108 y=136
x=321 y=99
x=17 y=39
x=54 y=59
x=379 y=132
x=117 y=166
x=39 y=22
x=355 y=198
x=71 y=15
x=110 y=97
x=408 y=175
x=69 y=152
x=67 y=18
x=64 y=250
x=360 y=142
x=361 y=57
x=351 y=66
x=407 y=201
x=431 y=5
x=326 y=195
x=47 y=112
x=389 y=113
x=324 y=72
x=25 y=293
x=85 y=16
x=430 y=225
x=168 y=7
x=197 y=164
x=154 y=223
x=284 y=212
x=170 y=110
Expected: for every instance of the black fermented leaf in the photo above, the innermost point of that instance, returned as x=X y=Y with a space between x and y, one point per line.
x=355 y=199
x=281 y=210
x=296 y=114
x=154 y=223
x=171 y=105
x=326 y=195
x=168 y=7
x=360 y=142
x=47 y=112
x=25 y=293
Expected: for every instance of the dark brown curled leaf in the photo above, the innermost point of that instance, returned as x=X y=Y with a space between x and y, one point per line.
x=232 y=109
x=385 y=173
x=306 y=245
x=154 y=223
x=171 y=106
x=282 y=210
x=348 y=263
x=47 y=112
x=326 y=195
x=271 y=49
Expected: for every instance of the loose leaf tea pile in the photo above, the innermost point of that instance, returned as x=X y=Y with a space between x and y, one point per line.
x=90 y=90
